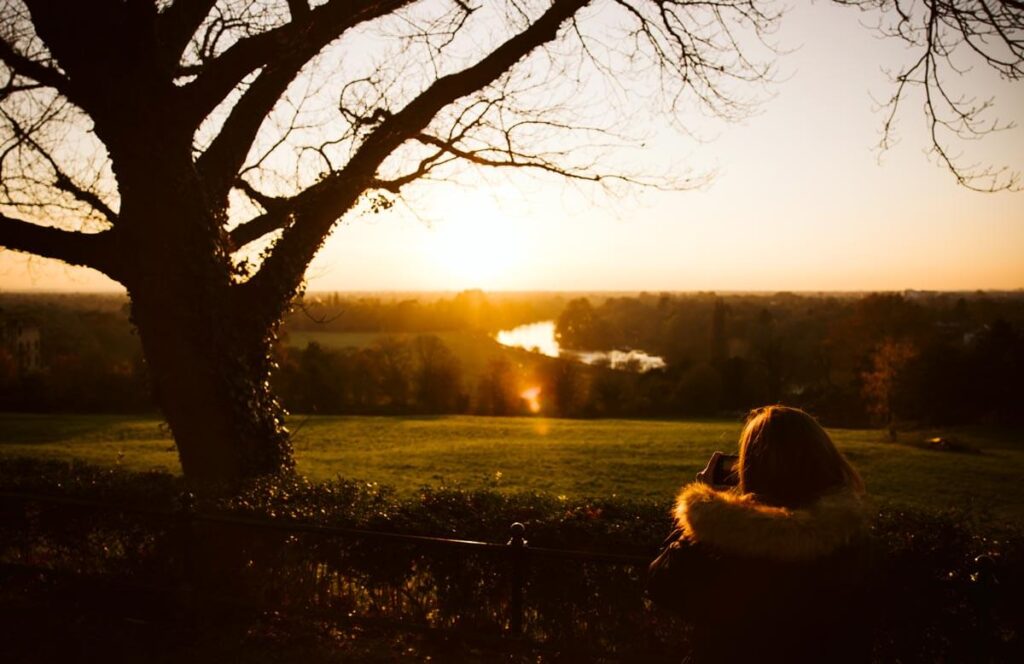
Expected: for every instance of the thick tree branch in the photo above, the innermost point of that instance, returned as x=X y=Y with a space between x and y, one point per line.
x=257 y=227
x=216 y=79
x=266 y=201
x=277 y=215
x=281 y=53
x=105 y=50
x=178 y=23
x=93 y=250
x=298 y=8
x=317 y=208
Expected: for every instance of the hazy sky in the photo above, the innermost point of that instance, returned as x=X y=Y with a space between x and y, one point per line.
x=801 y=201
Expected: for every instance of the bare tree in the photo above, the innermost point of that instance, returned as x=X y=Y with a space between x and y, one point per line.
x=200 y=151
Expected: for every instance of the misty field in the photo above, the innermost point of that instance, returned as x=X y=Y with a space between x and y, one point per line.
x=636 y=459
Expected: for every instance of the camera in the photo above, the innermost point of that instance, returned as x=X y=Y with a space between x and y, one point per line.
x=724 y=469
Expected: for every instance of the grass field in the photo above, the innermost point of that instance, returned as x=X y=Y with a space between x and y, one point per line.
x=628 y=458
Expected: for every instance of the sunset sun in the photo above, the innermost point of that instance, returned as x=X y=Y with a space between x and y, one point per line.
x=475 y=245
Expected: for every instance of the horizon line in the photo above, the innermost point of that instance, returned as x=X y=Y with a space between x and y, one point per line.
x=576 y=291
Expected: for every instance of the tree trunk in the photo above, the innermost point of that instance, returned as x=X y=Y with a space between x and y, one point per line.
x=207 y=350
x=211 y=380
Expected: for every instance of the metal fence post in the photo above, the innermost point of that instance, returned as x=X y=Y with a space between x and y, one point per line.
x=186 y=534
x=985 y=582
x=517 y=550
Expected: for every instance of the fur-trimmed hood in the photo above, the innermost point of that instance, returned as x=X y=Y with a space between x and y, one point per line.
x=736 y=524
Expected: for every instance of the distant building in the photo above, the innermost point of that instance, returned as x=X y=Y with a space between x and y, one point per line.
x=21 y=340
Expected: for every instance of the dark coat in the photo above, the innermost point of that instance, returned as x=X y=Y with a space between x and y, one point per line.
x=767 y=584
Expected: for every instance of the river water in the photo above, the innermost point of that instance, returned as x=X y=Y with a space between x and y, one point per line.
x=540 y=338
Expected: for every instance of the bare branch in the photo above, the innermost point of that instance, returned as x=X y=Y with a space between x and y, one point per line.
x=62 y=181
x=178 y=23
x=944 y=33
x=93 y=250
x=509 y=158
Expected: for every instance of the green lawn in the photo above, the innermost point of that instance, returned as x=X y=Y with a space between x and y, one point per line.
x=628 y=458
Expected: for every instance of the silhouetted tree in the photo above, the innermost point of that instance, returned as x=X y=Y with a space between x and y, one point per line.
x=719 y=342
x=564 y=384
x=394 y=363
x=496 y=390
x=438 y=376
x=997 y=360
x=156 y=140
x=699 y=391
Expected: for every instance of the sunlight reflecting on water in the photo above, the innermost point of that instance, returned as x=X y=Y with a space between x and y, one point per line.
x=622 y=359
x=540 y=338
x=536 y=337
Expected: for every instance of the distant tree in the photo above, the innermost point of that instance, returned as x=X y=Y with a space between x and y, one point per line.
x=882 y=381
x=565 y=386
x=200 y=152
x=579 y=326
x=997 y=362
x=318 y=381
x=8 y=370
x=496 y=389
x=941 y=385
x=773 y=354
x=367 y=392
x=438 y=375
x=613 y=394
x=394 y=367
x=699 y=391
x=719 y=342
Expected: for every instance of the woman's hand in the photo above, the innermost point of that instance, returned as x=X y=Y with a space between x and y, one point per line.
x=707 y=475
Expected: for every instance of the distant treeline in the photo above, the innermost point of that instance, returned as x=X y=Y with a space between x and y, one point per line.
x=401 y=375
x=468 y=310
x=392 y=376
x=882 y=359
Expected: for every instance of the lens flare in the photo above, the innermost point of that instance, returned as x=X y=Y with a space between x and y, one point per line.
x=531 y=396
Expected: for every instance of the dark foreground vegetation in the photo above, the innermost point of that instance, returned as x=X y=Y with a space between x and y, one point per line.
x=255 y=570
x=931 y=359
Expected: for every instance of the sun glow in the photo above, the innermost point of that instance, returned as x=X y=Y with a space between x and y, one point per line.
x=476 y=245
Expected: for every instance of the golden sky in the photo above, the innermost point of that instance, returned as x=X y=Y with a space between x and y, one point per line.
x=801 y=200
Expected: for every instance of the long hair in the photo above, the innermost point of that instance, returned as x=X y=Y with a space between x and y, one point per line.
x=788 y=460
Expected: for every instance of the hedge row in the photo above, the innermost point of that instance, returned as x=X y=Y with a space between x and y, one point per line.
x=945 y=589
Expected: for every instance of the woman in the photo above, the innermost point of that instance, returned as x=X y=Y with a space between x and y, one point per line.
x=775 y=568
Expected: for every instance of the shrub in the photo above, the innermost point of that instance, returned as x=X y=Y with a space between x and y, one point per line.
x=945 y=588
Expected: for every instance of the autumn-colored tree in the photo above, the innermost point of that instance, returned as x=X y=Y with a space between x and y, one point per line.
x=881 y=382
